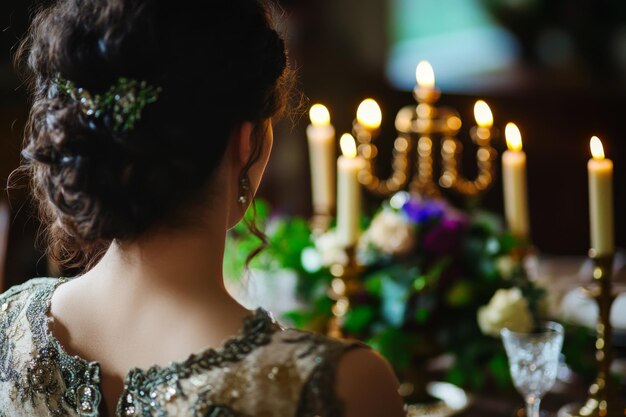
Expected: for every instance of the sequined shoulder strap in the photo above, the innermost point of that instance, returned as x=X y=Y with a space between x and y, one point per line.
x=28 y=287
x=319 y=394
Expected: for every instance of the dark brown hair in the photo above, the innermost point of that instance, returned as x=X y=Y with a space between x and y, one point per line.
x=216 y=68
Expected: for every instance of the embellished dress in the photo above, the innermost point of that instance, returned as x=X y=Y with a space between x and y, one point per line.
x=264 y=371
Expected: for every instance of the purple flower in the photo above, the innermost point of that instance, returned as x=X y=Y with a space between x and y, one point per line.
x=421 y=212
x=445 y=238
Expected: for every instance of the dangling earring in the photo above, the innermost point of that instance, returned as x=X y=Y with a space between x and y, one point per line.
x=244 y=190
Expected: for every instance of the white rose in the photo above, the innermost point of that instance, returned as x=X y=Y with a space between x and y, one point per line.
x=507 y=308
x=390 y=233
x=506 y=266
x=331 y=250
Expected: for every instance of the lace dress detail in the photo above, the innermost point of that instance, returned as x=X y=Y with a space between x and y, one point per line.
x=264 y=371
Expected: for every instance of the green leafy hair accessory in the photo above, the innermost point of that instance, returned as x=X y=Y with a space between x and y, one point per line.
x=123 y=101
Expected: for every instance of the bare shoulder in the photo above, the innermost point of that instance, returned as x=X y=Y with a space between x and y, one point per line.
x=367 y=385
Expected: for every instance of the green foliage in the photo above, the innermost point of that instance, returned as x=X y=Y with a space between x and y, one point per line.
x=358 y=318
x=286 y=239
x=578 y=349
x=410 y=307
x=395 y=345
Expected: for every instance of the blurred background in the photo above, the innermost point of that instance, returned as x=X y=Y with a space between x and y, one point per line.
x=556 y=68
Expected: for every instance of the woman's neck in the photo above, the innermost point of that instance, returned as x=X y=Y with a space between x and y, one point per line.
x=178 y=266
x=172 y=261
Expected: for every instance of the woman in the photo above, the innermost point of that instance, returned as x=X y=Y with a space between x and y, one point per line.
x=148 y=135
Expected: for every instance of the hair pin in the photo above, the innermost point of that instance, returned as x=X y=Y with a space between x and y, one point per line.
x=123 y=101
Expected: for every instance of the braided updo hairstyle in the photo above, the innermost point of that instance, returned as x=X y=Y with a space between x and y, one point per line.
x=93 y=183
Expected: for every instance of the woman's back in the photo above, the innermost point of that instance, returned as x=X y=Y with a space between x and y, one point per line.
x=262 y=371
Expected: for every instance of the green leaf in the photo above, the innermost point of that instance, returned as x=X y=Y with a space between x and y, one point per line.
x=456 y=376
x=262 y=210
x=298 y=318
x=579 y=350
x=471 y=376
x=324 y=306
x=257 y=212
x=420 y=283
x=499 y=368
x=374 y=285
x=395 y=345
x=434 y=273
x=489 y=223
x=422 y=315
x=460 y=294
x=358 y=319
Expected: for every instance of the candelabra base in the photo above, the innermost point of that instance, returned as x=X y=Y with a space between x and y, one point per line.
x=320 y=222
x=604 y=398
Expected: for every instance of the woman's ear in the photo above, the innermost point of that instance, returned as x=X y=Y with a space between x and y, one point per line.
x=239 y=154
x=248 y=156
x=242 y=136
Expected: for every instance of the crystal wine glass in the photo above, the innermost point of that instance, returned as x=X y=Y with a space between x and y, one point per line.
x=534 y=361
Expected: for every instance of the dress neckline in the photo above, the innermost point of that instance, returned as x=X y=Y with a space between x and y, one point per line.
x=256 y=330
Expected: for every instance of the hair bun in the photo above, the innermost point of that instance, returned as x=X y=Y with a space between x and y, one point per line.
x=111 y=161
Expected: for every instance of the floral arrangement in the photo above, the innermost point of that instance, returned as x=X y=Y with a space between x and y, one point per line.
x=434 y=279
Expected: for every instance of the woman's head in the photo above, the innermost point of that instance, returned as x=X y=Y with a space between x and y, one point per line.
x=213 y=76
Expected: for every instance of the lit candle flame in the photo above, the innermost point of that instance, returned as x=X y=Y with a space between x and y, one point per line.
x=597 y=151
x=482 y=114
x=319 y=115
x=425 y=74
x=513 y=137
x=348 y=145
x=368 y=114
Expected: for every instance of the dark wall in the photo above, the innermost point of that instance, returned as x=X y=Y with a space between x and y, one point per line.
x=558 y=106
x=24 y=260
x=339 y=49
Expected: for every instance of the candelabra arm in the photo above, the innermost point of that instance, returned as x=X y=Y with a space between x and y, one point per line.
x=400 y=163
x=421 y=129
x=451 y=160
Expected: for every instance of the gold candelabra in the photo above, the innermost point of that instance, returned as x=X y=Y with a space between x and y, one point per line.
x=418 y=127
x=604 y=399
x=344 y=284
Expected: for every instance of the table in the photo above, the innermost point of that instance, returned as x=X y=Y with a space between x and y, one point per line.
x=491 y=403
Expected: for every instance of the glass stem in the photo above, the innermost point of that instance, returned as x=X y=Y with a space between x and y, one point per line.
x=532 y=406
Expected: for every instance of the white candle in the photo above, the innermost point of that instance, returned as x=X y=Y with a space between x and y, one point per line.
x=482 y=114
x=600 y=171
x=321 y=139
x=348 y=192
x=514 y=182
x=425 y=92
x=425 y=75
x=368 y=114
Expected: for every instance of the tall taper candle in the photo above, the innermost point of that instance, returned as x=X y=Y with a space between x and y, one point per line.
x=425 y=75
x=321 y=138
x=600 y=171
x=368 y=114
x=348 y=192
x=514 y=182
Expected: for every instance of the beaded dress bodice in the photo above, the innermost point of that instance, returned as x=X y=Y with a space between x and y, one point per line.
x=264 y=371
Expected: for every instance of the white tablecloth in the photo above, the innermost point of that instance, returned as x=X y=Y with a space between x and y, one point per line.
x=565 y=278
